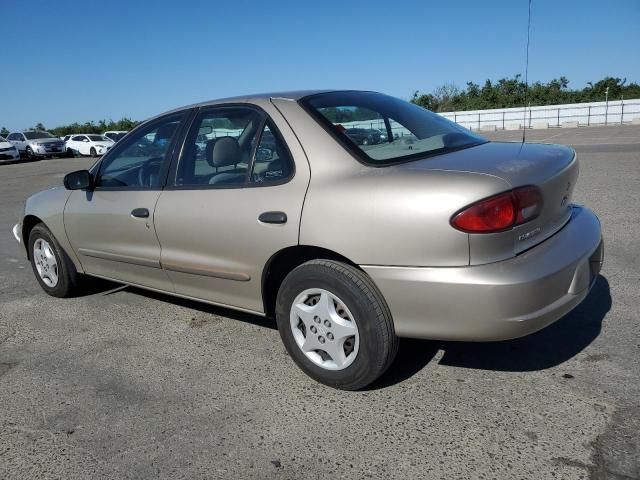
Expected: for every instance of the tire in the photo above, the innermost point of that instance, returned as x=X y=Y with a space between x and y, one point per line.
x=67 y=276
x=356 y=300
x=92 y=152
x=70 y=153
x=29 y=154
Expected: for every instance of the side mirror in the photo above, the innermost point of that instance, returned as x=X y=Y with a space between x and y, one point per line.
x=79 y=180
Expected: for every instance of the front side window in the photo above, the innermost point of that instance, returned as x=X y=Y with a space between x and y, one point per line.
x=138 y=162
x=383 y=130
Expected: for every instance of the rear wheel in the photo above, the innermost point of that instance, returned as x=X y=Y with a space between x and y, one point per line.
x=54 y=270
x=92 y=152
x=335 y=324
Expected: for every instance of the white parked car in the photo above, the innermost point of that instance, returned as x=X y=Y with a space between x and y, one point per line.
x=115 y=135
x=8 y=152
x=89 y=144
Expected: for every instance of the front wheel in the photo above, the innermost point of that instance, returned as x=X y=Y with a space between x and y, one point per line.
x=29 y=153
x=335 y=324
x=92 y=152
x=70 y=153
x=54 y=270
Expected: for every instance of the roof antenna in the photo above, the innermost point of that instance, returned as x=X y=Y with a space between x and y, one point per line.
x=526 y=77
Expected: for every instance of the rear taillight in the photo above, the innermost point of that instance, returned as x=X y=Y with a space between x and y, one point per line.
x=500 y=212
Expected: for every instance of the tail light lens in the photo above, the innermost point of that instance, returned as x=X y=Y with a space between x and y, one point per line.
x=500 y=212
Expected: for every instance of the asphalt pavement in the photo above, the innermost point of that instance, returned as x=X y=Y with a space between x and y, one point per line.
x=123 y=383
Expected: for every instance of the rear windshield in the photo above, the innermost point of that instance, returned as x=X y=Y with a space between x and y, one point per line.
x=383 y=130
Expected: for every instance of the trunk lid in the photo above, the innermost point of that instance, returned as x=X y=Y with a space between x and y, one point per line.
x=551 y=168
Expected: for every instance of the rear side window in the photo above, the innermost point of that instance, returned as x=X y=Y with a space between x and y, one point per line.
x=272 y=162
x=382 y=130
x=230 y=147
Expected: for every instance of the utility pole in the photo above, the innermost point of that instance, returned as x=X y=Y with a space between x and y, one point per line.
x=606 y=105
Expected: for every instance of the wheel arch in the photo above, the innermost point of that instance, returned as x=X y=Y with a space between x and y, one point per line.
x=28 y=222
x=284 y=261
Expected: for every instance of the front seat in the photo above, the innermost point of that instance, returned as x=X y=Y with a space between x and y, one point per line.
x=224 y=152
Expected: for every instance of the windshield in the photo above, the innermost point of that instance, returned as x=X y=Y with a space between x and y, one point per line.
x=382 y=130
x=36 y=135
x=96 y=138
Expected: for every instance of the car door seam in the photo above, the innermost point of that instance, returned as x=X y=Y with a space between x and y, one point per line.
x=306 y=190
x=155 y=232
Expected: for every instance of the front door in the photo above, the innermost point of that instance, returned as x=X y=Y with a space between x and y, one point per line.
x=233 y=200
x=111 y=227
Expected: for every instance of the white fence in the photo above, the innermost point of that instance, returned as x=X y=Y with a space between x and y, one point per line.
x=576 y=114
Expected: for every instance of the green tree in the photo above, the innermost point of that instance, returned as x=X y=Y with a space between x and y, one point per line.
x=4 y=132
x=510 y=92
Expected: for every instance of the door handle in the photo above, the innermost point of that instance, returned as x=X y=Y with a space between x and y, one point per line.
x=140 y=213
x=273 y=217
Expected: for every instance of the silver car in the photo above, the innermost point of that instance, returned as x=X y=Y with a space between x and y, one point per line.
x=35 y=144
x=433 y=233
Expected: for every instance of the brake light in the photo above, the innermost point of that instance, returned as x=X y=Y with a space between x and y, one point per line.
x=500 y=212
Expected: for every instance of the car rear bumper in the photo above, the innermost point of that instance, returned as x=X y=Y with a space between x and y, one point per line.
x=501 y=300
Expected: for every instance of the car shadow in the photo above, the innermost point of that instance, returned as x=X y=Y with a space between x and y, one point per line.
x=105 y=287
x=547 y=348
x=413 y=355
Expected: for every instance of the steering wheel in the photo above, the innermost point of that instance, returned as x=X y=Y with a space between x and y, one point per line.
x=149 y=172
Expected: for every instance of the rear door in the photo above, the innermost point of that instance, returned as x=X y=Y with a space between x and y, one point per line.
x=111 y=228
x=232 y=201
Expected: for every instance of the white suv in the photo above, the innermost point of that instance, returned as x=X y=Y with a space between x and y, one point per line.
x=36 y=144
x=115 y=135
x=88 y=144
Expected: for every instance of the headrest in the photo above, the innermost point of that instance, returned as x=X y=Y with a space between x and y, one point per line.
x=223 y=151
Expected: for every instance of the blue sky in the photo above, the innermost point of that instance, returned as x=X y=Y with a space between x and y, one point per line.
x=70 y=60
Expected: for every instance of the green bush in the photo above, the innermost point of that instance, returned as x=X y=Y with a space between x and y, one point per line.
x=510 y=92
